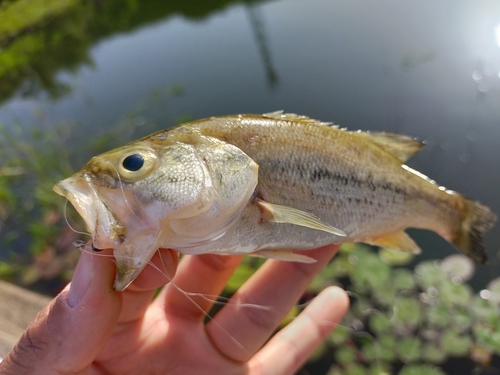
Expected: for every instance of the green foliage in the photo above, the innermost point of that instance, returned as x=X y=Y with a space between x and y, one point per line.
x=35 y=240
x=18 y=15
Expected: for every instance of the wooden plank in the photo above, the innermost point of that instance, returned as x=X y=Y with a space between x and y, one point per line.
x=18 y=307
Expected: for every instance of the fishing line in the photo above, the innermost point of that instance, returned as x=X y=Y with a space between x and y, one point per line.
x=67 y=221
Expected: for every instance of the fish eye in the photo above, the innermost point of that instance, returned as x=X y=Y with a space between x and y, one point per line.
x=136 y=164
x=133 y=162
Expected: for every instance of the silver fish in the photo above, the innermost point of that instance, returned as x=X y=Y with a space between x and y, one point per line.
x=264 y=185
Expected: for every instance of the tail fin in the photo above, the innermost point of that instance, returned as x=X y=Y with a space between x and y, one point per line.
x=478 y=220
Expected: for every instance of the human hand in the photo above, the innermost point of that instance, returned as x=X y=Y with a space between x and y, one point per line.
x=91 y=329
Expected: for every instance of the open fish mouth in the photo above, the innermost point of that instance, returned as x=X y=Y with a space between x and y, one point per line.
x=101 y=223
x=107 y=232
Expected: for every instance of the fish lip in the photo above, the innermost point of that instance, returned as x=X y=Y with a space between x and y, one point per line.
x=77 y=190
x=101 y=223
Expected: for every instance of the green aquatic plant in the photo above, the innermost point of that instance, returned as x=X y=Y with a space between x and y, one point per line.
x=411 y=319
x=403 y=321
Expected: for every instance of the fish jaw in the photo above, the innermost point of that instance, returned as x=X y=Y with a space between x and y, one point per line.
x=133 y=255
x=105 y=230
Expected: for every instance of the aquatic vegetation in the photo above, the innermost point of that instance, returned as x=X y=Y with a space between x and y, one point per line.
x=402 y=321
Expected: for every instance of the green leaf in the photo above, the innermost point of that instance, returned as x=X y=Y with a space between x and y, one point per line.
x=438 y=315
x=409 y=349
x=371 y=271
x=407 y=311
x=460 y=319
x=380 y=323
x=452 y=294
x=488 y=336
x=428 y=274
x=421 y=370
x=402 y=279
x=432 y=353
x=345 y=355
x=455 y=344
x=354 y=369
x=484 y=309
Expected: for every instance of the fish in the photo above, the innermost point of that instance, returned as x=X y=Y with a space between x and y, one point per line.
x=264 y=185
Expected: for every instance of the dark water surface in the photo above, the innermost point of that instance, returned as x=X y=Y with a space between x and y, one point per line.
x=427 y=69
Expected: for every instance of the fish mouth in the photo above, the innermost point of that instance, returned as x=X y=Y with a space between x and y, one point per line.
x=132 y=249
x=78 y=191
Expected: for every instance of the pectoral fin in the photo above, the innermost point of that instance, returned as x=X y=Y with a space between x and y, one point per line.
x=277 y=213
x=396 y=241
x=286 y=255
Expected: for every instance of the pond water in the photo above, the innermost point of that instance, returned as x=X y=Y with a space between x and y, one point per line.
x=427 y=69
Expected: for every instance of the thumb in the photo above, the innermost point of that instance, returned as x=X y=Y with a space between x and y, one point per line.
x=68 y=334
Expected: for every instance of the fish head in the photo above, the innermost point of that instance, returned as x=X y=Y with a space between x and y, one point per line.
x=134 y=198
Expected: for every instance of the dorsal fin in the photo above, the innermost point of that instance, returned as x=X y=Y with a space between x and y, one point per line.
x=400 y=146
x=280 y=115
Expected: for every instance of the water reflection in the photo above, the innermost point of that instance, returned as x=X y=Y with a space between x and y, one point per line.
x=497 y=34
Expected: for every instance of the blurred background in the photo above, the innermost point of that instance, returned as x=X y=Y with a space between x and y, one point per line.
x=80 y=77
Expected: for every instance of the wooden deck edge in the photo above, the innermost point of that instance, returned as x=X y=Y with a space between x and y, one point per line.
x=18 y=307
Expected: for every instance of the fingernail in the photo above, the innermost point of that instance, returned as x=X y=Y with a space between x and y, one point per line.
x=81 y=279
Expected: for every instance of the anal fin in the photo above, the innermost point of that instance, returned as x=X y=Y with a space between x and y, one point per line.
x=396 y=241
x=286 y=255
x=283 y=214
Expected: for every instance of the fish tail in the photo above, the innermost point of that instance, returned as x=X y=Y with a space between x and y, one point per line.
x=478 y=219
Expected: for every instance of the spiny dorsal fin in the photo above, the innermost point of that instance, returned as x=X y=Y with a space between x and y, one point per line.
x=280 y=115
x=400 y=146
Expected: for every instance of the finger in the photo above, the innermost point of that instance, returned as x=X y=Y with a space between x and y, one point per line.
x=68 y=334
x=197 y=284
x=138 y=296
x=295 y=343
x=257 y=309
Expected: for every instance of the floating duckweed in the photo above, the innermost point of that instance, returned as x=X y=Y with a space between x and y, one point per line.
x=484 y=309
x=372 y=271
x=458 y=295
x=354 y=369
x=380 y=369
x=421 y=370
x=395 y=257
x=385 y=295
x=428 y=274
x=402 y=279
x=458 y=266
x=409 y=349
x=461 y=320
x=424 y=316
x=379 y=323
x=345 y=355
x=455 y=344
x=432 y=353
x=374 y=351
x=488 y=336
x=438 y=316
x=407 y=311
